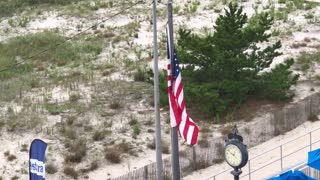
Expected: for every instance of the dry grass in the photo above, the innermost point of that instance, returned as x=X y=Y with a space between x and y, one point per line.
x=298 y=45
x=152 y=144
x=165 y=148
x=247 y=130
x=6 y=154
x=205 y=129
x=115 y=104
x=51 y=168
x=70 y=172
x=11 y=157
x=203 y=143
x=306 y=39
x=93 y=166
x=77 y=150
x=24 y=148
x=98 y=135
x=201 y=164
x=113 y=155
x=225 y=130
x=219 y=158
x=313 y=118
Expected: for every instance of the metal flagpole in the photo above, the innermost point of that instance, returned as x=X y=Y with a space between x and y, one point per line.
x=174 y=132
x=156 y=94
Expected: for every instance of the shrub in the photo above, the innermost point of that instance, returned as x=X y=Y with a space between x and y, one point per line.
x=113 y=155
x=115 y=104
x=69 y=133
x=133 y=122
x=93 y=166
x=70 y=172
x=313 y=117
x=24 y=148
x=11 y=157
x=6 y=154
x=98 y=135
x=73 y=158
x=15 y=178
x=77 y=150
x=136 y=130
x=152 y=144
x=51 y=168
x=306 y=59
x=309 y=15
x=54 y=109
x=74 y=97
x=298 y=45
x=165 y=148
x=143 y=74
x=247 y=130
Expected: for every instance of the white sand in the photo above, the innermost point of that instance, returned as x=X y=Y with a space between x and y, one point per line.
x=203 y=18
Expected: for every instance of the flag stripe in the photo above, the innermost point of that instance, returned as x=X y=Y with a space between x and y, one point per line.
x=190 y=134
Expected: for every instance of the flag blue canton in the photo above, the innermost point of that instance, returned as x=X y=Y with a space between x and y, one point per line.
x=176 y=68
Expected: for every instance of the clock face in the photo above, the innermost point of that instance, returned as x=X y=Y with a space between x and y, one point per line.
x=233 y=155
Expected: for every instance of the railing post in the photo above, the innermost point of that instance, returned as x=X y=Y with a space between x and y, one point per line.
x=249 y=170
x=281 y=157
x=145 y=173
x=214 y=177
x=310 y=141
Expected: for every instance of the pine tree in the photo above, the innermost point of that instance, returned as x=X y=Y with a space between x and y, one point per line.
x=222 y=68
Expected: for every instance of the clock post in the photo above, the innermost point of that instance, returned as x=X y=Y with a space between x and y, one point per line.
x=235 y=152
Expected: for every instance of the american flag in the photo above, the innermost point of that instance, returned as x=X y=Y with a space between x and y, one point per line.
x=179 y=117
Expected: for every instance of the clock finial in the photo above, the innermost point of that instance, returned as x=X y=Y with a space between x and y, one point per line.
x=235 y=130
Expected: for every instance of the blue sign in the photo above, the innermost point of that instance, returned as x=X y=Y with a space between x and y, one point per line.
x=37 y=160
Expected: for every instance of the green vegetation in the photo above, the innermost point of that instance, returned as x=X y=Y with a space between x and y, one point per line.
x=306 y=60
x=44 y=48
x=136 y=130
x=290 y=5
x=222 y=68
x=193 y=6
x=143 y=74
x=69 y=7
x=309 y=15
x=54 y=109
x=10 y=7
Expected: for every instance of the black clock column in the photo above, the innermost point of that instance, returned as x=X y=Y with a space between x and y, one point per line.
x=236 y=173
x=236 y=140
